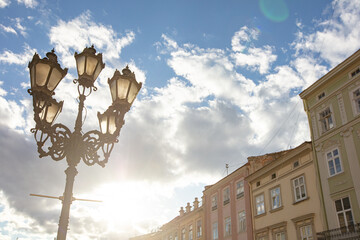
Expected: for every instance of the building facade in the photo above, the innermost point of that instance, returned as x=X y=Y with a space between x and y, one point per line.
x=332 y=105
x=285 y=200
x=227 y=207
x=188 y=225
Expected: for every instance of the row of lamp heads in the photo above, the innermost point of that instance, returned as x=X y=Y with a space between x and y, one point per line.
x=46 y=74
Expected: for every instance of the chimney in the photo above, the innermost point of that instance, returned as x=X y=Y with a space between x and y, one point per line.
x=181 y=211
x=196 y=203
x=188 y=207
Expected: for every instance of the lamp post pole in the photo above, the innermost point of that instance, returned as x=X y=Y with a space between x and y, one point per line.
x=56 y=140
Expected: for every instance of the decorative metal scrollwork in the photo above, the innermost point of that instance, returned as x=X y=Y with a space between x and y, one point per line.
x=60 y=138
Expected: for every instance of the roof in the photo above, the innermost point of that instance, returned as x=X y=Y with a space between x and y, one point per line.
x=330 y=74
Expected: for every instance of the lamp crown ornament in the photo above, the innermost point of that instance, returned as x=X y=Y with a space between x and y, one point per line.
x=52 y=56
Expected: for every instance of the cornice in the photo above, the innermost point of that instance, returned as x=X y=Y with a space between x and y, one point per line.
x=330 y=74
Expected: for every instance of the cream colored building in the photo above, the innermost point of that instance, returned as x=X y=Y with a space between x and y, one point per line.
x=285 y=199
x=333 y=107
x=189 y=225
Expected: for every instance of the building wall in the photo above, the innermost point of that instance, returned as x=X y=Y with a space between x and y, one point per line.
x=338 y=87
x=173 y=229
x=232 y=208
x=291 y=214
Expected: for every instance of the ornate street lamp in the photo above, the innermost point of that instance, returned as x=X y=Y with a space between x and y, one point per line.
x=56 y=140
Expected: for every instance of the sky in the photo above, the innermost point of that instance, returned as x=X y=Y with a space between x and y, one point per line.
x=220 y=83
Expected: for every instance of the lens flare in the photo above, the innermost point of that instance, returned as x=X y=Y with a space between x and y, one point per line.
x=275 y=10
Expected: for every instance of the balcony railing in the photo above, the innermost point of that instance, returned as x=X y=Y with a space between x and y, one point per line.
x=348 y=232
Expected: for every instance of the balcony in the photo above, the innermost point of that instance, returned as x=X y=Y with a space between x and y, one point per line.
x=347 y=232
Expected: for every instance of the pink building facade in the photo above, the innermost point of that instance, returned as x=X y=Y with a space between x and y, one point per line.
x=227 y=207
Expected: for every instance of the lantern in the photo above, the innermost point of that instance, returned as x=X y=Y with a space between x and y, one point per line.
x=46 y=73
x=107 y=121
x=124 y=87
x=88 y=66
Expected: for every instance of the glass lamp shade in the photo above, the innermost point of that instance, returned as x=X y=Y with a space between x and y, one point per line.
x=124 y=87
x=107 y=122
x=46 y=73
x=50 y=111
x=88 y=66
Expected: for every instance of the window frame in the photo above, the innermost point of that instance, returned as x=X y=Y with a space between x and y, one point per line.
x=227 y=226
x=198 y=228
x=306 y=236
x=242 y=221
x=355 y=100
x=191 y=235
x=296 y=200
x=256 y=204
x=333 y=161
x=240 y=193
x=344 y=212
x=325 y=124
x=183 y=234
x=214 y=202
x=226 y=195
x=271 y=198
x=215 y=231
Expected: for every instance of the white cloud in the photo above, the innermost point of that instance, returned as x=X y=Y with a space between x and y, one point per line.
x=8 y=29
x=28 y=3
x=17 y=58
x=80 y=32
x=19 y=26
x=246 y=54
x=331 y=35
x=4 y=3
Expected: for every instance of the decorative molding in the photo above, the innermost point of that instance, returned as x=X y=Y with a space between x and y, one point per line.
x=304 y=217
x=347 y=132
x=340 y=183
x=314 y=124
x=331 y=143
x=319 y=147
x=342 y=108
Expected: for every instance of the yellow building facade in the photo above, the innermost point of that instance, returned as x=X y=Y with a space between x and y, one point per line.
x=284 y=198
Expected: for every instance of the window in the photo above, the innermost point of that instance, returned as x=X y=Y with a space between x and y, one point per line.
x=214 y=202
x=226 y=194
x=176 y=236
x=190 y=232
x=183 y=234
x=198 y=229
x=306 y=233
x=240 y=189
x=258 y=183
x=296 y=164
x=334 y=162
x=299 y=188
x=343 y=211
x=260 y=204
x=326 y=120
x=321 y=95
x=275 y=198
x=355 y=72
x=280 y=236
x=227 y=226
x=356 y=98
x=215 y=231
x=273 y=176
x=242 y=221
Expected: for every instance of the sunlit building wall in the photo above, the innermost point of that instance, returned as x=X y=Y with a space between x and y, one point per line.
x=227 y=207
x=284 y=196
x=332 y=105
x=189 y=225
